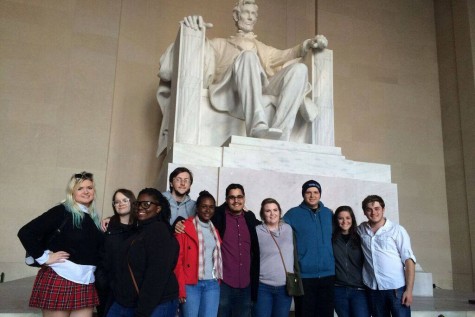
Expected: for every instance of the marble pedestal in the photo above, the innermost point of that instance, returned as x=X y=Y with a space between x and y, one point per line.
x=268 y=168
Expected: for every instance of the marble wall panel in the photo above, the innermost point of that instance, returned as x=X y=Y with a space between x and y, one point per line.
x=57 y=62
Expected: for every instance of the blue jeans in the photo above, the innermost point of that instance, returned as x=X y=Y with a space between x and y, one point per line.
x=202 y=299
x=117 y=310
x=234 y=302
x=384 y=303
x=272 y=301
x=167 y=309
x=351 y=302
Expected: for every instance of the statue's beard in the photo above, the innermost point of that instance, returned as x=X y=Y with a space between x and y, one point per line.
x=246 y=27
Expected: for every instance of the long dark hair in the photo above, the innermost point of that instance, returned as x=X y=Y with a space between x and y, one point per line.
x=130 y=195
x=337 y=230
x=165 y=214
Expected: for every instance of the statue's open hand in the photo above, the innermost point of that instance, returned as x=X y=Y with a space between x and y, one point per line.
x=318 y=42
x=196 y=22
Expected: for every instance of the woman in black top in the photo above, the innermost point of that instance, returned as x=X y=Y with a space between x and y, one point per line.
x=64 y=285
x=118 y=230
x=145 y=284
x=350 y=293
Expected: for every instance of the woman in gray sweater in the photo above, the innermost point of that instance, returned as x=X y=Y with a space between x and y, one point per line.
x=276 y=256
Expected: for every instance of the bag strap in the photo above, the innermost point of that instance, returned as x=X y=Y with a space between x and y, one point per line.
x=133 y=278
x=130 y=270
x=278 y=248
x=57 y=231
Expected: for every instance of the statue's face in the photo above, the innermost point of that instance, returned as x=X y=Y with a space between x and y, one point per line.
x=247 y=18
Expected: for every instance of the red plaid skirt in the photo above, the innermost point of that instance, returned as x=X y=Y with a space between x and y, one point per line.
x=52 y=292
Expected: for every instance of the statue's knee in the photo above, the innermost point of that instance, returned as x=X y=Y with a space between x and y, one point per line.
x=299 y=69
x=297 y=72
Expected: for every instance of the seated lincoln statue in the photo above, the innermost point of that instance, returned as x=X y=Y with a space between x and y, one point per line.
x=244 y=76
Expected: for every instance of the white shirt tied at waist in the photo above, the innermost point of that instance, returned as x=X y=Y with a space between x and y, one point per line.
x=81 y=274
x=77 y=273
x=385 y=254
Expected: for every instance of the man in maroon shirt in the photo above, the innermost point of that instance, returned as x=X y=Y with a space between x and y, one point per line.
x=240 y=251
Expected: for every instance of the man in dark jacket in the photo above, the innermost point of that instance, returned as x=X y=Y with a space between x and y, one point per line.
x=311 y=222
x=240 y=252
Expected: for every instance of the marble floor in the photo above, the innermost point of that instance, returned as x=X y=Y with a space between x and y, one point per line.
x=14 y=297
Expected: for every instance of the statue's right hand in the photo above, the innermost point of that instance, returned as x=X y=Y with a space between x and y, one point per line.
x=196 y=22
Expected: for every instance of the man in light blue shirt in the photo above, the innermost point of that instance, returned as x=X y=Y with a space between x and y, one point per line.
x=389 y=267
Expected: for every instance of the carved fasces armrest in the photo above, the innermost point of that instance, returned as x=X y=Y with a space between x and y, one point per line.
x=322 y=90
x=187 y=83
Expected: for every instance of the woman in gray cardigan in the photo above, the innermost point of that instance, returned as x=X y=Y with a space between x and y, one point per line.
x=276 y=256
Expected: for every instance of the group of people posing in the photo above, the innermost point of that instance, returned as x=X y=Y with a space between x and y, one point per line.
x=163 y=254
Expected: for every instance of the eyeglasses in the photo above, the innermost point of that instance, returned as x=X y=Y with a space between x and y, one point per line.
x=83 y=175
x=182 y=180
x=123 y=201
x=238 y=197
x=144 y=204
